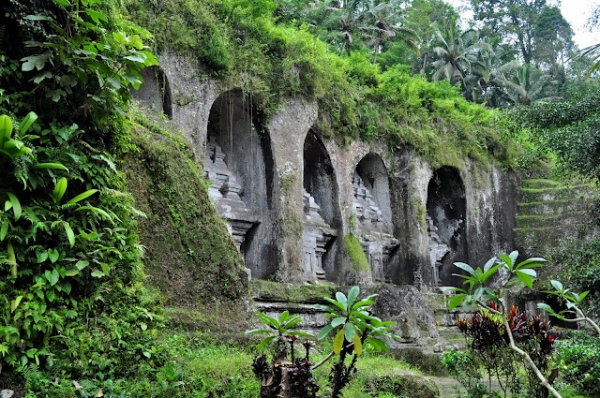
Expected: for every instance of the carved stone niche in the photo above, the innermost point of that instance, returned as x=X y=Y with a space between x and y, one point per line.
x=316 y=236
x=225 y=192
x=376 y=243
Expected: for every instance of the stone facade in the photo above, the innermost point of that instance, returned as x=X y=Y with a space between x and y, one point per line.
x=290 y=196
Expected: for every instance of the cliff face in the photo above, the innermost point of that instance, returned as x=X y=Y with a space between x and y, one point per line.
x=291 y=197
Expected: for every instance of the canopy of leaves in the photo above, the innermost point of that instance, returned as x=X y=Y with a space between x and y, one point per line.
x=570 y=128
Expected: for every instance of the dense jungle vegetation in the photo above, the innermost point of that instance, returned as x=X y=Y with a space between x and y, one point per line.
x=78 y=318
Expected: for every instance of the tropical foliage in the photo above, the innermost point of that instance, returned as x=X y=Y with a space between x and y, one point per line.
x=71 y=282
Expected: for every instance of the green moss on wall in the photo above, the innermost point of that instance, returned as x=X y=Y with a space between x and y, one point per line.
x=189 y=254
x=281 y=292
x=356 y=253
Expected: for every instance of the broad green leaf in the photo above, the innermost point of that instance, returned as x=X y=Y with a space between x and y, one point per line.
x=96 y=16
x=513 y=256
x=16 y=205
x=53 y=254
x=534 y=262
x=27 y=122
x=284 y=316
x=66 y=287
x=321 y=307
x=349 y=331
x=341 y=298
x=352 y=295
x=489 y=264
x=367 y=301
x=529 y=272
x=507 y=261
x=545 y=307
x=98 y=274
x=41 y=254
x=70 y=234
x=52 y=276
x=338 y=342
x=4 y=230
x=478 y=293
x=357 y=344
x=258 y=331
x=582 y=296
x=456 y=301
x=557 y=285
x=15 y=303
x=267 y=320
x=81 y=264
x=338 y=321
x=11 y=253
x=293 y=321
x=324 y=332
x=53 y=166
x=38 y=18
x=34 y=62
x=72 y=272
x=82 y=196
x=59 y=189
x=95 y=210
x=465 y=267
x=490 y=272
x=335 y=303
x=525 y=278
x=105 y=268
x=6 y=129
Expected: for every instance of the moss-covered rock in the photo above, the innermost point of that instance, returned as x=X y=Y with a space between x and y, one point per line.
x=404 y=385
x=189 y=254
x=281 y=292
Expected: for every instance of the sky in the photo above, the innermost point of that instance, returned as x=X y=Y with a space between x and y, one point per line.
x=575 y=12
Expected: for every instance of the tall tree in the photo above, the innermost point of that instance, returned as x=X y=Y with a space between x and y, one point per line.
x=455 y=52
x=523 y=23
x=553 y=40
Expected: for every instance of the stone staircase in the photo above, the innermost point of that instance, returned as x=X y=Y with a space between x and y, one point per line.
x=549 y=212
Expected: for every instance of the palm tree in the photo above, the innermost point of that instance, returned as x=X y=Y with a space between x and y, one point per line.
x=456 y=52
x=376 y=22
x=483 y=84
x=527 y=85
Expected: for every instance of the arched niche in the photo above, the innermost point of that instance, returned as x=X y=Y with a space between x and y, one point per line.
x=446 y=219
x=239 y=165
x=373 y=212
x=155 y=91
x=375 y=178
x=322 y=216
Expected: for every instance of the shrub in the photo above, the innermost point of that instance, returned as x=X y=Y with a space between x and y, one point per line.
x=579 y=359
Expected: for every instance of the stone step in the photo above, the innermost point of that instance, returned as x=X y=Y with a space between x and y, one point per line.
x=580 y=192
x=540 y=183
x=553 y=207
x=564 y=220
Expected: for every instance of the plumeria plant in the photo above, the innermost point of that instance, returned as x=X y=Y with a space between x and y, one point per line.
x=355 y=329
x=516 y=328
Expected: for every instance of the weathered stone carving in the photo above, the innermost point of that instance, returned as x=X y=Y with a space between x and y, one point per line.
x=376 y=243
x=225 y=192
x=317 y=234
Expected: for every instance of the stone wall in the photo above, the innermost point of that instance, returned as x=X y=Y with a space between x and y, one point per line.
x=290 y=196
